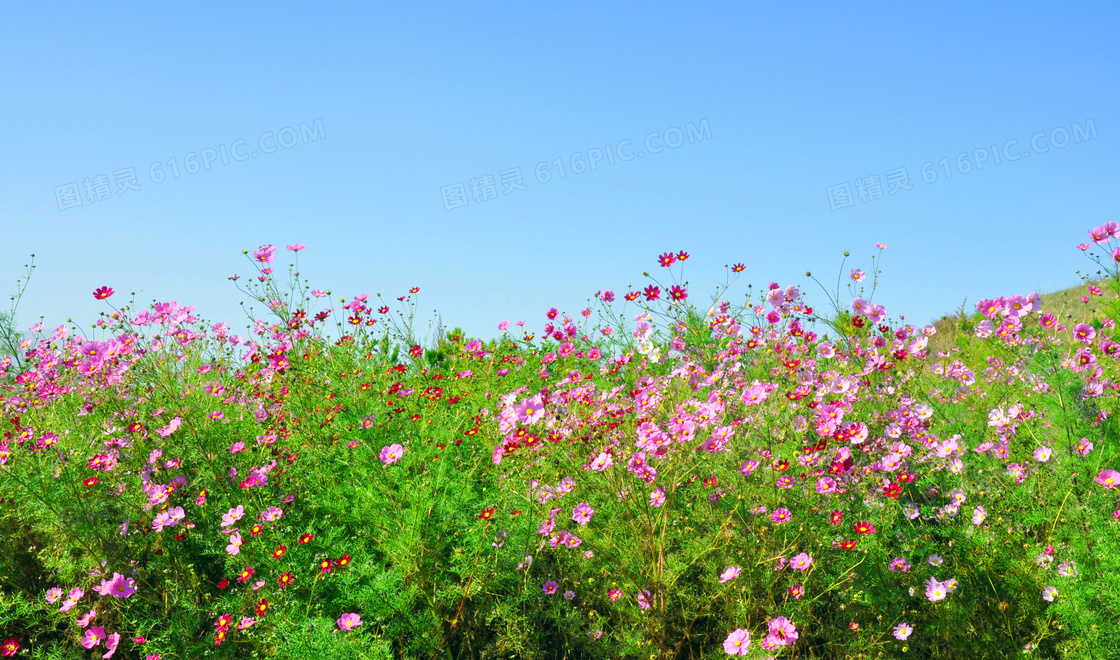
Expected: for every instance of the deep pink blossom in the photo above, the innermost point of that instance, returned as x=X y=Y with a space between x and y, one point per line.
x=349 y=621
x=737 y=642
x=93 y=637
x=391 y=453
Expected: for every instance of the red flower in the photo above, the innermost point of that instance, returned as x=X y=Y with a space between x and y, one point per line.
x=285 y=579
x=91 y=481
x=279 y=552
x=256 y=530
x=682 y=255
x=10 y=647
x=486 y=514
x=652 y=292
x=738 y=268
x=220 y=636
x=344 y=560
x=262 y=607
x=848 y=545
x=836 y=517
x=633 y=295
x=325 y=565
x=223 y=583
x=864 y=527
x=305 y=539
x=103 y=292
x=223 y=621
x=246 y=573
x=893 y=490
x=678 y=293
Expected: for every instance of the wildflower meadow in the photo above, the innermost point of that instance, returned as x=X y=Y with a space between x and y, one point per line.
x=660 y=473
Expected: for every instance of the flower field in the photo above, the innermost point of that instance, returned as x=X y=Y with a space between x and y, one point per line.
x=652 y=476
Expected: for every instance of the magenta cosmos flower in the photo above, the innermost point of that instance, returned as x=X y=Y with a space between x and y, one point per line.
x=391 y=454
x=93 y=637
x=349 y=621
x=780 y=516
x=582 y=513
x=737 y=642
x=801 y=562
x=122 y=587
x=731 y=573
x=1109 y=478
x=782 y=632
x=550 y=587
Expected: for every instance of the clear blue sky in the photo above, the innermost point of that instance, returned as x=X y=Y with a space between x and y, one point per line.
x=796 y=99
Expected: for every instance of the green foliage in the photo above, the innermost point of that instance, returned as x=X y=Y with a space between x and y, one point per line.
x=435 y=490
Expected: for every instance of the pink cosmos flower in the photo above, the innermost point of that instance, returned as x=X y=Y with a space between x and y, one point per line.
x=271 y=514
x=1109 y=479
x=1048 y=594
x=264 y=253
x=801 y=562
x=349 y=621
x=550 y=587
x=391 y=453
x=797 y=591
x=111 y=644
x=1084 y=447
x=1084 y=333
x=643 y=599
x=582 y=513
x=121 y=587
x=53 y=594
x=84 y=620
x=856 y=275
x=826 y=485
x=602 y=462
x=297 y=247
x=246 y=622
x=899 y=565
x=935 y=590
x=979 y=515
x=731 y=573
x=1042 y=454
x=782 y=631
x=657 y=498
x=232 y=516
x=93 y=637
x=902 y=631
x=234 y=546
x=737 y=642
x=780 y=515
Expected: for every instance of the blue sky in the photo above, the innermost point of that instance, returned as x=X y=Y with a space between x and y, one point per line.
x=789 y=102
